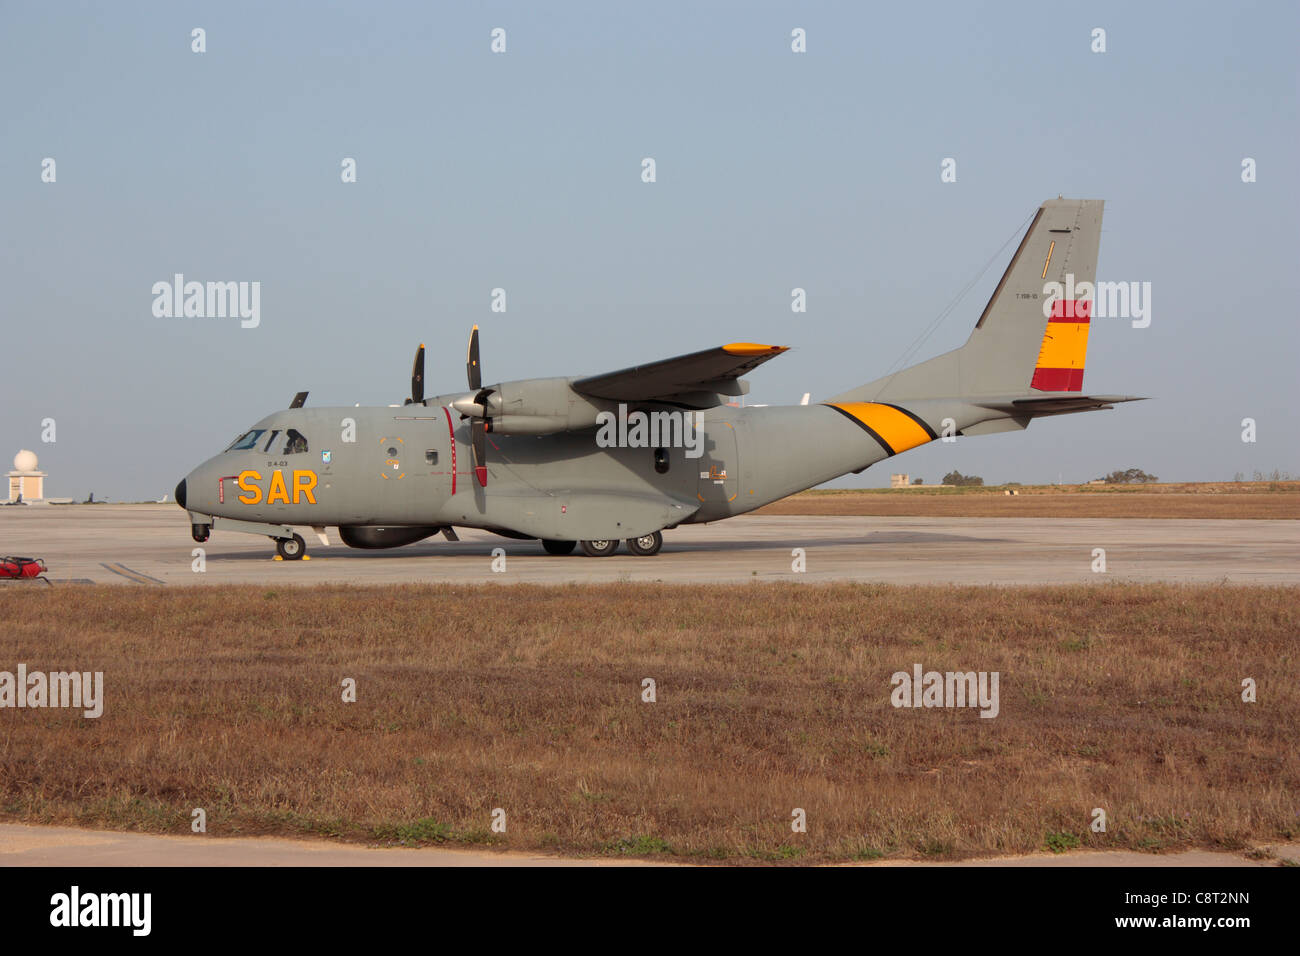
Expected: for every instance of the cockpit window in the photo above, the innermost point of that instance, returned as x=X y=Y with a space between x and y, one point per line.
x=275 y=442
x=247 y=441
x=289 y=442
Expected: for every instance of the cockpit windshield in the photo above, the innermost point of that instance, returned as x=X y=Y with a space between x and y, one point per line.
x=247 y=441
x=274 y=441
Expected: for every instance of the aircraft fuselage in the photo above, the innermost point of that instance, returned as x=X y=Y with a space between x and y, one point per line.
x=412 y=465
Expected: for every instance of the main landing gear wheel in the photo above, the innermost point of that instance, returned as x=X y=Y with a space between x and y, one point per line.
x=558 y=547
x=599 y=549
x=646 y=545
x=291 y=549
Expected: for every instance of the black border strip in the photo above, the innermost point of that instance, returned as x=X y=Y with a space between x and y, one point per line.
x=889 y=452
x=899 y=408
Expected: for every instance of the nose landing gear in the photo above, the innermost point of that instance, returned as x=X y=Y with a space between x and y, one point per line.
x=291 y=549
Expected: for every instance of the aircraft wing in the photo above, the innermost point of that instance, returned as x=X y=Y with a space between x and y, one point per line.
x=695 y=380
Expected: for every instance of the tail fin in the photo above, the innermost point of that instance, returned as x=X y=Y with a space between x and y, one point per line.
x=1033 y=334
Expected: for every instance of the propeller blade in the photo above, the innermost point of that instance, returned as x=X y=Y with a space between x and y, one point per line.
x=417 y=378
x=478 y=435
x=477 y=409
x=472 y=370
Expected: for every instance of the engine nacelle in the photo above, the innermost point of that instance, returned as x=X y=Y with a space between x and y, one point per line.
x=374 y=537
x=541 y=407
x=528 y=424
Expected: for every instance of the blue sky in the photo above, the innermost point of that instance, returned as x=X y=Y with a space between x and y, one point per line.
x=522 y=171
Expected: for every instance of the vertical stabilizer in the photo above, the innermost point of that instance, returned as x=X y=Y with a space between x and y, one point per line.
x=1033 y=333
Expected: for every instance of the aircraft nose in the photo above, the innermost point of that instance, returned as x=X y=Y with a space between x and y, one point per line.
x=180 y=493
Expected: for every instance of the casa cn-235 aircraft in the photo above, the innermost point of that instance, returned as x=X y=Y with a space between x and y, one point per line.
x=626 y=455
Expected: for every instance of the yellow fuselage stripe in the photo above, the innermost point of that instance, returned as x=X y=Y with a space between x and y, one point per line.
x=898 y=430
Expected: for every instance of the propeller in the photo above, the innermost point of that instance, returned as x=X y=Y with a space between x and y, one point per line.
x=472 y=370
x=417 y=378
x=478 y=423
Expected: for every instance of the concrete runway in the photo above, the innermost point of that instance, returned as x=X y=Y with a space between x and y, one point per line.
x=150 y=546
x=24 y=845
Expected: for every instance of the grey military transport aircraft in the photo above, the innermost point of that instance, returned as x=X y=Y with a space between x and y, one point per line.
x=627 y=455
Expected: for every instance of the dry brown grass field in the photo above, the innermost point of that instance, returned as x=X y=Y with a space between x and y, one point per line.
x=770 y=697
x=1263 y=499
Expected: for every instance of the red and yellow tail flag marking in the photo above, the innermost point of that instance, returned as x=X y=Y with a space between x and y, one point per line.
x=1065 y=347
x=895 y=428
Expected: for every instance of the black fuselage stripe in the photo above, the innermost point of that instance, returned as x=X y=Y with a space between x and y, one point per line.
x=866 y=428
x=928 y=430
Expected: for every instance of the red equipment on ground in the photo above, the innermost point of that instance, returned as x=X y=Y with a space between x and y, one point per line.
x=16 y=569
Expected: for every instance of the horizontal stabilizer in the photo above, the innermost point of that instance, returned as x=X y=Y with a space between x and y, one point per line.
x=1058 y=404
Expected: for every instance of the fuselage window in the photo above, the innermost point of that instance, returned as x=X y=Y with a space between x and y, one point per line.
x=661 y=460
x=431 y=456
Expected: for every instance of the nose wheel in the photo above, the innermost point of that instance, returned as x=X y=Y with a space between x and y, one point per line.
x=291 y=549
